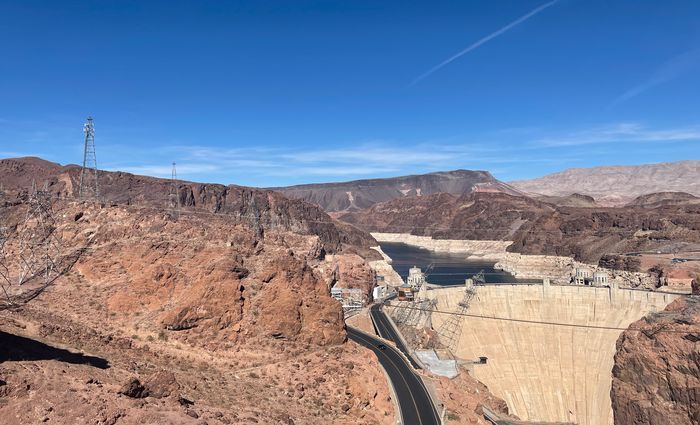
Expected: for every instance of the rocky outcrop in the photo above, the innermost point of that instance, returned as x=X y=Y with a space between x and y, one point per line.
x=349 y=271
x=656 y=377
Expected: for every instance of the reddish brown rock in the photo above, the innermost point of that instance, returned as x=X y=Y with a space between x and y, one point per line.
x=162 y=384
x=656 y=376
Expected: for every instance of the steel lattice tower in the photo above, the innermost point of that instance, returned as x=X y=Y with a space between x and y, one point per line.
x=451 y=329
x=39 y=245
x=89 y=182
x=4 y=271
x=174 y=195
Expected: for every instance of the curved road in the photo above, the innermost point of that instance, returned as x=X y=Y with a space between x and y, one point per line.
x=387 y=331
x=414 y=401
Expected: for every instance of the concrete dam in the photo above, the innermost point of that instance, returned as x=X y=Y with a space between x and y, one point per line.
x=560 y=371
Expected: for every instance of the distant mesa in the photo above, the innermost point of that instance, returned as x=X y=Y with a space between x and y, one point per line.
x=361 y=194
x=655 y=200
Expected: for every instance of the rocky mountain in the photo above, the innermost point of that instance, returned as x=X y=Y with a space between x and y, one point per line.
x=618 y=185
x=263 y=209
x=537 y=227
x=361 y=194
x=221 y=315
x=656 y=376
x=573 y=200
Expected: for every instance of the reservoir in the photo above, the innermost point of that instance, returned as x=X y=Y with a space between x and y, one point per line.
x=448 y=269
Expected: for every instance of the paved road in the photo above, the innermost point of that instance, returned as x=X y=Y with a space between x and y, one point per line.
x=387 y=331
x=414 y=401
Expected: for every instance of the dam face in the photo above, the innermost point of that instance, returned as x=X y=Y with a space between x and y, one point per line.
x=547 y=372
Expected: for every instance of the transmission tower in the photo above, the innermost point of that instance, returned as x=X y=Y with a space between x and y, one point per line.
x=451 y=329
x=89 y=182
x=174 y=195
x=39 y=244
x=4 y=271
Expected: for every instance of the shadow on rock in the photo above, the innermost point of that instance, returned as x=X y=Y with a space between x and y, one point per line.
x=19 y=348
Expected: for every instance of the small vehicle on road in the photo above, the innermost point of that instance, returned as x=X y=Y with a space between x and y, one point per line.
x=381 y=346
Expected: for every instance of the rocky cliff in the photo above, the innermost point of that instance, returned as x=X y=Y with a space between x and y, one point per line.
x=262 y=209
x=656 y=377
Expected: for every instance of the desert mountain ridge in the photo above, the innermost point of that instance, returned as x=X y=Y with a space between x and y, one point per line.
x=617 y=184
x=580 y=187
x=360 y=194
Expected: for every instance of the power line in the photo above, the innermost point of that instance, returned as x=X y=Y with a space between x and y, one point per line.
x=571 y=325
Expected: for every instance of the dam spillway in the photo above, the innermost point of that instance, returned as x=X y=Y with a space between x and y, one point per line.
x=547 y=372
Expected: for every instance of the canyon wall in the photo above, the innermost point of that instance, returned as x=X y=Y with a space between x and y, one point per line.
x=656 y=377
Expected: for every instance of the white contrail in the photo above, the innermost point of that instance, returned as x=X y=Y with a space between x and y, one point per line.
x=489 y=37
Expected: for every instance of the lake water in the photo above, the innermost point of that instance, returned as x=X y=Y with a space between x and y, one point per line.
x=448 y=269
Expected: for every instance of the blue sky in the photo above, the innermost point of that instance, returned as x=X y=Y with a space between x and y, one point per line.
x=268 y=93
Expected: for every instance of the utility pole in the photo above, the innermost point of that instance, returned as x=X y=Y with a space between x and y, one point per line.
x=174 y=195
x=89 y=183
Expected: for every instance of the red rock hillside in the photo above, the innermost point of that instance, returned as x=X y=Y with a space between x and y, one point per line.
x=656 y=377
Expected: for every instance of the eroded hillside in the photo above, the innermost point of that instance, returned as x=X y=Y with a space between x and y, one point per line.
x=537 y=227
x=244 y=324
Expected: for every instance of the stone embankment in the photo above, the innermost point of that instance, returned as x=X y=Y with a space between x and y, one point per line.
x=490 y=250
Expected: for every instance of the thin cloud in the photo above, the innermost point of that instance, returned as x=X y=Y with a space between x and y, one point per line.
x=670 y=70
x=166 y=170
x=485 y=40
x=280 y=166
x=621 y=133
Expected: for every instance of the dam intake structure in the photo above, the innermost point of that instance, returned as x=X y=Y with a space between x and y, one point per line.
x=550 y=349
